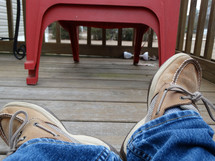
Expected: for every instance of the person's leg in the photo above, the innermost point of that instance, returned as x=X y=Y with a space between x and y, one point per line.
x=42 y=149
x=33 y=133
x=173 y=128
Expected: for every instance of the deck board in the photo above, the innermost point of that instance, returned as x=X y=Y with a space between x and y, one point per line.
x=101 y=97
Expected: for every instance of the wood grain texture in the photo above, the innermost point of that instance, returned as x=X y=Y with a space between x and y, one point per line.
x=100 y=97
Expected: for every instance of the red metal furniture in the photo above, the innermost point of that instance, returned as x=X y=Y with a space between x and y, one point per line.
x=160 y=15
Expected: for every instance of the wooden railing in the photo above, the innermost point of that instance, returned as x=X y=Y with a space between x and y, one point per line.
x=191 y=37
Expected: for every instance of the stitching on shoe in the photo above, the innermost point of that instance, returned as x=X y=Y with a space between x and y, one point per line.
x=183 y=65
x=177 y=71
x=199 y=72
x=180 y=69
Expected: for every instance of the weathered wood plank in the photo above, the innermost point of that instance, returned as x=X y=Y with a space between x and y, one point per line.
x=79 y=94
x=76 y=71
x=92 y=64
x=207 y=86
x=90 y=111
x=100 y=76
x=94 y=68
x=88 y=83
x=148 y=68
x=83 y=83
x=75 y=94
x=97 y=98
x=207 y=68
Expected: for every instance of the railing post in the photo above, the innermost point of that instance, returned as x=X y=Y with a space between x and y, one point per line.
x=190 y=26
x=103 y=36
x=150 y=39
x=10 y=18
x=181 y=24
x=211 y=33
x=88 y=35
x=134 y=31
x=58 y=33
x=120 y=37
x=24 y=15
x=200 y=27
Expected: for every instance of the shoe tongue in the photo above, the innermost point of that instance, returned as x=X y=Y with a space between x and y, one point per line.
x=189 y=107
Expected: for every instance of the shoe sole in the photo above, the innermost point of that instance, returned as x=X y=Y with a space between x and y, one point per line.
x=149 y=97
x=87 y=140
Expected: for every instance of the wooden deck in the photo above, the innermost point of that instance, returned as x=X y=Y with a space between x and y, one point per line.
x=100 y=97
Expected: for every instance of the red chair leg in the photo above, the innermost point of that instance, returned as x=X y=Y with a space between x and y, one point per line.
x=32 y=78
x=138 y=41
x=33 y=74
x=74 y=38
x=34 y=38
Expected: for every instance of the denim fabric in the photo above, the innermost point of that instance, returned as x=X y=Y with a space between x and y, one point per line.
x=43 y=149
x=180 y=136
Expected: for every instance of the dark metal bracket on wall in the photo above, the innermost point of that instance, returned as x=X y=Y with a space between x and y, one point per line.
x=18 y=52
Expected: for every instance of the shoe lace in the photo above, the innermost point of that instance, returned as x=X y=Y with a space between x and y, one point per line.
x=194 y=97
x=13 y=139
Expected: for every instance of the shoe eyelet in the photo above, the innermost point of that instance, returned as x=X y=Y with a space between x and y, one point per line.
x=23 y=138
x=35 y=124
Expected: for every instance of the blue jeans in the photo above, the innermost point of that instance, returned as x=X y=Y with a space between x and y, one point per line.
x=180 y=136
